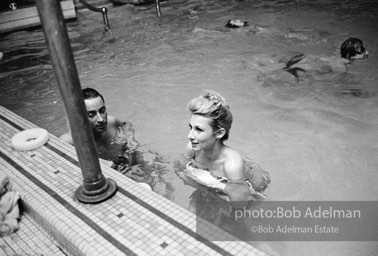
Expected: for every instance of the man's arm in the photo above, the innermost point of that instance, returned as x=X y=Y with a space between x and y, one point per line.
x=115 y=121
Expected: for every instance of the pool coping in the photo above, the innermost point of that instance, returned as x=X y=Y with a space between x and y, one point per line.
x=26 y=17
x=135 y=221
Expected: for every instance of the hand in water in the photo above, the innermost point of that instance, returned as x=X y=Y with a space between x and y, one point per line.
x=204 y=177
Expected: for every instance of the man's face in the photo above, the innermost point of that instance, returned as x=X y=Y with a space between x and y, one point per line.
x=97 y=114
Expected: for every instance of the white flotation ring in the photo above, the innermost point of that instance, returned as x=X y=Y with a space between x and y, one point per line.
x=145 y=186
x=30 y=139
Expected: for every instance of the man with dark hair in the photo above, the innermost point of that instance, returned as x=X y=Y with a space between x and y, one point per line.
x=110 y=134
x=115 y=141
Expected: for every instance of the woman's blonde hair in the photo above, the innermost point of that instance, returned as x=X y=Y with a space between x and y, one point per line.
x=212 y=105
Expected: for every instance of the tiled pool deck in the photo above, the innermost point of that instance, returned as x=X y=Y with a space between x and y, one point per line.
x=30 y=239
x=135 y=221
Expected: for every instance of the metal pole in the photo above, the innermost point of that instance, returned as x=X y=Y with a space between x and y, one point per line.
x=95 y=188
x=103 y=10
x=157 y=6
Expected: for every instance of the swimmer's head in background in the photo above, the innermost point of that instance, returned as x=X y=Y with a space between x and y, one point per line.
x=236 y=24
x=353 y=48
x=213 y=106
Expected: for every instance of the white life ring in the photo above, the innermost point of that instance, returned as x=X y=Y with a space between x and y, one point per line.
x=144 y=185
x=30 y=139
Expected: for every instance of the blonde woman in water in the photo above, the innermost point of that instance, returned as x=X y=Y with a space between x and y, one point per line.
x=211 y=162
x=209 y=128
x=218 y=168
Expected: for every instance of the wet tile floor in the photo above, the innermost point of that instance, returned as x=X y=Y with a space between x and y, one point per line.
x=30 y=239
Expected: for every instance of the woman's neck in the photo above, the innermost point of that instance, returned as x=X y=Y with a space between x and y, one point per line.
x=213 y=153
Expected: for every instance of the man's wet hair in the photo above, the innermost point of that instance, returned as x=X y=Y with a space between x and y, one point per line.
x=90 y=93
x=353 y=47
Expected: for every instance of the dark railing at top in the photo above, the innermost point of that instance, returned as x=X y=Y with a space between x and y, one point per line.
x=104 y=11
x=157 y=5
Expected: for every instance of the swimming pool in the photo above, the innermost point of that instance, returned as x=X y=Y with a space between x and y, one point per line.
x=317 y=137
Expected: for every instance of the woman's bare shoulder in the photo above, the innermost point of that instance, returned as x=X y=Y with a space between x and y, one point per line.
x=233 y=154
x=234 y=164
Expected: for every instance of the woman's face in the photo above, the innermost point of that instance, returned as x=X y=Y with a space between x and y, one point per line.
x=201 y=134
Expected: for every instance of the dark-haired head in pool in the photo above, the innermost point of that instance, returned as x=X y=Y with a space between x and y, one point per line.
x=353 y=48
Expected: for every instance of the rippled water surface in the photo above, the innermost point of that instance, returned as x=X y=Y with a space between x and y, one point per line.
x=317 y=136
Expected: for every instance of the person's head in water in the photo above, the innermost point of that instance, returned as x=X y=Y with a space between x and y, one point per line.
x=211 y=120
x=353 y=48
x=95 y=105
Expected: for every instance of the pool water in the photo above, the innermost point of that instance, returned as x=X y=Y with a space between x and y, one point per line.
x=317 y=136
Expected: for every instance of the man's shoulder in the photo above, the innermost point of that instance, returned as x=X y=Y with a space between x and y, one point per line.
x=115 y=122
x=112 y=120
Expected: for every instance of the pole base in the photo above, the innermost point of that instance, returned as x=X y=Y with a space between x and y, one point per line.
x=102 y=194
